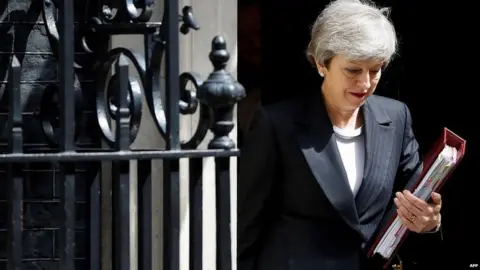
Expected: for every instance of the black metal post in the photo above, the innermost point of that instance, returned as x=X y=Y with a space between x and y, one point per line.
x=67 y=129
x=196 y=213
x=220 y=92
x=144 y=171
x=121 y=169
x=171 y=168
x=15 y=205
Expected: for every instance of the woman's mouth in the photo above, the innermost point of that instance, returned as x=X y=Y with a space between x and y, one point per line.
x=358 y=95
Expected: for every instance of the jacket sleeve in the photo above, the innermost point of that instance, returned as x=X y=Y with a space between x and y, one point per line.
x=410 y=165
x=257 y=168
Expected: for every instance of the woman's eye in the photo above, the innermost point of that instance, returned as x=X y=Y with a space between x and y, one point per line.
x=353 y=71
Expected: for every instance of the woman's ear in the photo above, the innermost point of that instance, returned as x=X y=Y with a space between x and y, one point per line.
x=320 y=68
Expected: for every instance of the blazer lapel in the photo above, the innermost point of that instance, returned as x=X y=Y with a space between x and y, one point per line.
x=379 y=138
x=317 y=141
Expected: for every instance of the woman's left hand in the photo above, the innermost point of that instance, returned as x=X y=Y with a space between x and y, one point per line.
x=416 y=214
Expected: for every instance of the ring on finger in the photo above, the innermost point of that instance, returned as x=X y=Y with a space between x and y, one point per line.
x=412 y=218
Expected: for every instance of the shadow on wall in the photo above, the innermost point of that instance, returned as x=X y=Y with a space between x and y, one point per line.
x=24 y=34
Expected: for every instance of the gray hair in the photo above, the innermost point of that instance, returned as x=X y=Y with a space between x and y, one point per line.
x=354 y=28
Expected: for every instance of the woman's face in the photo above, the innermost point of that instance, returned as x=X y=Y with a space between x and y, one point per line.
x=348 y=83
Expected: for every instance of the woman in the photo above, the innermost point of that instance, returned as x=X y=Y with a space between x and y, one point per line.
x=318 y=172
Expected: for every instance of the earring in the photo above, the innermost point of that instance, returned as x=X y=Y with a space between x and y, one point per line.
x=321 y=74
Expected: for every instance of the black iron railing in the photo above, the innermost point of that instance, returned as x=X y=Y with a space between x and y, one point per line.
x=117 y=99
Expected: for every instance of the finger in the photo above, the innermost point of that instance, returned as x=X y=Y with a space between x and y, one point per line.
x=399 y=204
x=408 y=205
x=420 y=204
x=434 y=209
x=403 y=202
x=431 y=210
x=406 y=222
x=420 y=221
x=437 y=208
x=407 y=215
x=436 y=198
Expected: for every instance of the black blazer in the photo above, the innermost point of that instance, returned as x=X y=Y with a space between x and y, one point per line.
x=296 y=210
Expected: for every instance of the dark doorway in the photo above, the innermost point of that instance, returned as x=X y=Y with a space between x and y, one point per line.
x=433 y=75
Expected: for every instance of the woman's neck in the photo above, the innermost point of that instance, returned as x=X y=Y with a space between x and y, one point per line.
x=348 y=119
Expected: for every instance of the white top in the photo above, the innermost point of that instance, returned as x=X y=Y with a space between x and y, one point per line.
x=351 y=145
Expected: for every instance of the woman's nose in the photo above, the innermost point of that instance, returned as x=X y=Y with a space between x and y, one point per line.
x=364 y=80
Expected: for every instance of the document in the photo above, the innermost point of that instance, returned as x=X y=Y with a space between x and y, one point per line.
x=438 y=164
x=443 y=164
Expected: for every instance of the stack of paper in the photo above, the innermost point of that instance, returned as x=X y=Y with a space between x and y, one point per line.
x=435 y=175
x=438 y=165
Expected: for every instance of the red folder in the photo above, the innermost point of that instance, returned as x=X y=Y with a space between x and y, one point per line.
x=447 y=138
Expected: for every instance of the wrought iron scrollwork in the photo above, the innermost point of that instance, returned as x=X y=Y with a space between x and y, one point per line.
x=106 y=102
x=50 y=103
x=128 y=11
x=50 y=107
x=213 y=98
x=189 y=104
x=72 y=114
x=86 y=43
x=153 y=97
x=188 y=20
